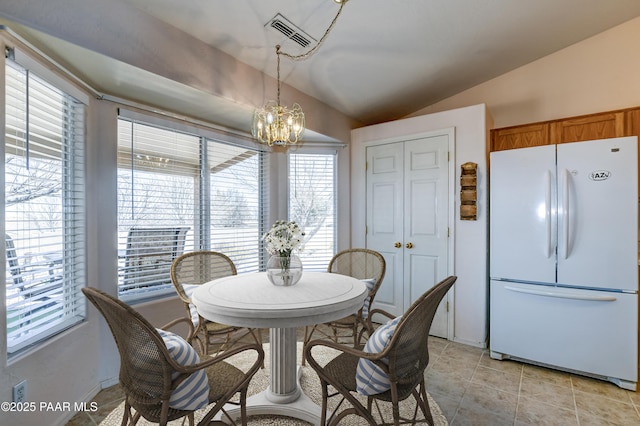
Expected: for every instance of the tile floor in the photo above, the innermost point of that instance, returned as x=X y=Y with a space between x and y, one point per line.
x=473 y=389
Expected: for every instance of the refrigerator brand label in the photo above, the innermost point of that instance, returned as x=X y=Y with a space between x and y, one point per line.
x=600 y=175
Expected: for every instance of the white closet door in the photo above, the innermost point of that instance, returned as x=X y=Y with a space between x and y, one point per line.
x=385 y=228
x=407 y=220
x=426 y=219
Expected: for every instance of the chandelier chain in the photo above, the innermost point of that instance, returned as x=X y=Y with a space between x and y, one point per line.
x=277 y=124
x=308 y=53
x=278 y=71
x=315 y=48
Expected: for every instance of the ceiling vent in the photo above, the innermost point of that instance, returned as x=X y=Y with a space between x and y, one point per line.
x=292 y=32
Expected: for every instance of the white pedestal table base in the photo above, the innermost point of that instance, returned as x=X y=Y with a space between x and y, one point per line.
x=284 y=396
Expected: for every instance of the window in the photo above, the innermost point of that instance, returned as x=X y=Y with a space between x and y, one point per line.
x=181 y=192
x=235 y=204
x=312 y=203
x=44 y=208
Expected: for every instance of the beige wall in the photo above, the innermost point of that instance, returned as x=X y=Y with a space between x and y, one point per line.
x=597 y=74
x=470 y=126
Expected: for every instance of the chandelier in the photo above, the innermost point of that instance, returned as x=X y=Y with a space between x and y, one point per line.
x=275 y=124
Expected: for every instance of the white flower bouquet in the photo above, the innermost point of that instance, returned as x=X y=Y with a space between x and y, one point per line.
x=283 y=238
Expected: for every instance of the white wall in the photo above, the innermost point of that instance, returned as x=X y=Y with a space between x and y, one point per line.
x=470 y=237
x=595 y=75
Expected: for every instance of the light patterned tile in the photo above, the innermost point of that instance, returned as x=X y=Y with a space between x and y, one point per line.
x=480 y=417
x=448 y=406
x=635 y=397
x=453 y=366
x=590 y=404
x=437 y=346
x=558 y=378
x=600 y=387
x=504 y=381
x=536 y=413
x=590 y=420
x=508 y=365
x=465 y=353
x=479 y=397
x=446 y=384
x=473 y=389
x=536 y=389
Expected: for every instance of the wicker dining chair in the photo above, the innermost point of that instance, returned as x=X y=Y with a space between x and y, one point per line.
x=400 y=364
x=196 y=268
x=149 y=375
x=361 y=263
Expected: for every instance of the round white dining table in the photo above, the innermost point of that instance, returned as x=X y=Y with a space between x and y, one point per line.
x=250 y=300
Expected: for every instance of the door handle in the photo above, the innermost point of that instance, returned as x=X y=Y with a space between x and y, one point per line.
x=409 y=245
x=397 y=244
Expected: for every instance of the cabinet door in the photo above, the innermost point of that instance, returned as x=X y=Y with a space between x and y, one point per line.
x=520 y=137
x=597 y=126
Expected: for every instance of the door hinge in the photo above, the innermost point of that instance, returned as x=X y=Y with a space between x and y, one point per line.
x=448 y=232
x=366 y=166
x=366 y=229
x=448 y=156
x=447 y=306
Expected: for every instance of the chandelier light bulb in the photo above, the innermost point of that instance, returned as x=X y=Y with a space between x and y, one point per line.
x=279 y=125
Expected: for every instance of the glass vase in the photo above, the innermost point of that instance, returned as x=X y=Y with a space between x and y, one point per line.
x=284 y=270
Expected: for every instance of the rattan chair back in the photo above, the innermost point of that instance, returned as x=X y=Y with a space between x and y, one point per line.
x=408 y=351
x=199 y=267
x=404 y=361
x=145 y=363
x=149 y=374
x=360 y=263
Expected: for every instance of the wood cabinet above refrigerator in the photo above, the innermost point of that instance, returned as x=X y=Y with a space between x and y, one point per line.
x=603 y=125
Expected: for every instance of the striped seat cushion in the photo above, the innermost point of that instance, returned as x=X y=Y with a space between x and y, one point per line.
x=189 y=289
x=192 y=393
x=370 y=283
x=370 y=378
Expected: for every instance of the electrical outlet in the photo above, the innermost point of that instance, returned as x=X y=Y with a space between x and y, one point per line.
x=20 y=392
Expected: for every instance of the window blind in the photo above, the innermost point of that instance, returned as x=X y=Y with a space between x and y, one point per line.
x=180 y=192
x=236 y=207
x=312 y=204
x=44 y=208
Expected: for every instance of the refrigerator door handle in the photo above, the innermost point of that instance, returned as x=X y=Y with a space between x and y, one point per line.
x=547 y=213
x=565 y=214
x=550 y=293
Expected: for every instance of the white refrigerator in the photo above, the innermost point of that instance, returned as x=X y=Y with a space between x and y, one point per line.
x=564 y=257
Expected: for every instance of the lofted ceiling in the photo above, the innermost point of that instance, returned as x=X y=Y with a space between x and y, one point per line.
x=384 y=59
x=388 y=58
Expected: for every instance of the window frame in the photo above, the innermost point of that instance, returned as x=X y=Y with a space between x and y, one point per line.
x=207 y=137
x=68 y=308
x=317 y=151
